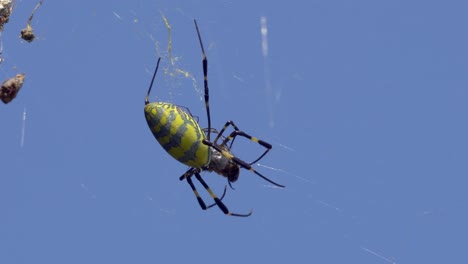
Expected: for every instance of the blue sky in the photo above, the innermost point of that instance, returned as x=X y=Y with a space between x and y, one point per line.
x=364 y=103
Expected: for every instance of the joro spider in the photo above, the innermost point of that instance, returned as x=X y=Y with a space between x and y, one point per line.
x=180 y=135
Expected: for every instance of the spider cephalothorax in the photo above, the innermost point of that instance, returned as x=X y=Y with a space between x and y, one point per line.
x=223 y=166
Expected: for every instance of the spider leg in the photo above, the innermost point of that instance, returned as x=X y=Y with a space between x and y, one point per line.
x=222 y=197
x=264 y=144
x=216 y=199
x=213 y=130
x=238 y=132
x=240 y=162
x=188 y=175
x=205 y=80
x=228 y=123
x=152 y=81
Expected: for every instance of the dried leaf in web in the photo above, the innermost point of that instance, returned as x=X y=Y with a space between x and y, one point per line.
x=11 y=87
x=6 y=7
x=27 y=33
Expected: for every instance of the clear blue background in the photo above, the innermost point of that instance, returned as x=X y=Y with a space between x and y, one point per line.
x=367 y=114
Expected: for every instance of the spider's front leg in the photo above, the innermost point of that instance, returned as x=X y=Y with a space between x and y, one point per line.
x=238 y=161
x=238 y=132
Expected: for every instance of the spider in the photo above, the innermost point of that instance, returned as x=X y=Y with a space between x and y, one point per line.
x=180 y=135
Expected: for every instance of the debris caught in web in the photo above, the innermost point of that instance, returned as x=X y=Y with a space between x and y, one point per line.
x=1 y=49
x=11 y=87
x=173 y=70
x=266 y=70
x=27 y=33
x=6 y=7
x=23 y=128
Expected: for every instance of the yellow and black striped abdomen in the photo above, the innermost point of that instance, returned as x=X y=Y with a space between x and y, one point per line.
x=178 y=133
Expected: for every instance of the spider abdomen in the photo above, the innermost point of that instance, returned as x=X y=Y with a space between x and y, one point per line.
x=178 y=133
